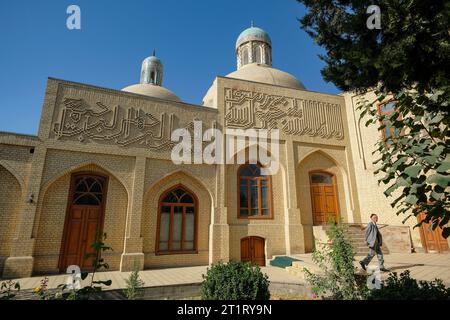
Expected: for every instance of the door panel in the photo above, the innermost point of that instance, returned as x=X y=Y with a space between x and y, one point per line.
x=432 y=240
x=323 y=198
x=92 y=229
x=252 y=250
x=245 y=250
x=258 y=252
x=84 y=221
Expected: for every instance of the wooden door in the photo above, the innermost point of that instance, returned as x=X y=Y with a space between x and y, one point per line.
x=84 y=220
x=432 y=240
x=323 y=198
x=252 y=250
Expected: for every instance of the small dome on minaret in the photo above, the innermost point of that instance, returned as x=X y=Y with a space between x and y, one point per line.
x=152 y=80
x=253 y=46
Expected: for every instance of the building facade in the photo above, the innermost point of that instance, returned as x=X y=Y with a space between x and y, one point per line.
x=101 y=162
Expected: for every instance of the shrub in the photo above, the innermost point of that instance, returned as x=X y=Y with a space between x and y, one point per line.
x=235 y=281
x=407 y=288
x=134 y=285
x=338 y=279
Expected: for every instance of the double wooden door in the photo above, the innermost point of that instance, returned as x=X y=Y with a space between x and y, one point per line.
x=84 y=220
x=323 y=198
x=252 y=250
x=432 y=240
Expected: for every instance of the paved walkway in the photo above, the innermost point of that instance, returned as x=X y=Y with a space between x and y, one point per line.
x=153 y=277
x=422 y=266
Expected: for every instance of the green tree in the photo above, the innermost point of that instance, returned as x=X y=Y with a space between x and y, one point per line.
x=338 y=279
x=406 y=60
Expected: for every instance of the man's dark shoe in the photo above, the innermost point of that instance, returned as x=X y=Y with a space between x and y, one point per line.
x=384 y=269
x=362 y=265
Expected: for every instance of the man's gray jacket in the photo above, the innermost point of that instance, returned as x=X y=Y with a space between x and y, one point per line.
x=373 y=236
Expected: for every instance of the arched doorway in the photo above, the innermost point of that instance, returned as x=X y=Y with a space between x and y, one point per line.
x=177 y=222
x=84 y=219
x=252 y=250
x=324 y=199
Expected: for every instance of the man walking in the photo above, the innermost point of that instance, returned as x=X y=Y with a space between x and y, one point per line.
x=374 y=241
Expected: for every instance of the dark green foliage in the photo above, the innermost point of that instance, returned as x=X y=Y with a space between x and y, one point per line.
x=407 y=288
x=412 y=47
x=338 y=279
x=407 y=61
x=235 y=281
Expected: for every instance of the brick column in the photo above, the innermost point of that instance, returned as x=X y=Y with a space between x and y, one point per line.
x=219 y=232
x=294 y=229
x=132 y=256
x=20 y=262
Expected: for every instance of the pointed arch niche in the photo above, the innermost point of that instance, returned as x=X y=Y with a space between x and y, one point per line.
x=156 y=254
x=319 y=178
x=53 y=211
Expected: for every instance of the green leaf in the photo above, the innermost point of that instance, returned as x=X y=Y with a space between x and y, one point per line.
x=437 y=118
x=431 y=159
x=411 y=199
x=437 y=151
x=413 y=171
x=444 y=167
x=391 y=189
x=439 y=179
x=437 y=196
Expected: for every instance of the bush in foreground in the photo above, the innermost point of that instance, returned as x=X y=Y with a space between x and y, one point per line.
x=235 y=281
x=407 y=288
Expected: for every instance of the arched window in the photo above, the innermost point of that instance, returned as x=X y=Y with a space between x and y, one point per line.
x=88 y=190
x=177 y=222
x=267 y=56
x=244 y=56
x=255 y=193
x=257 y=54
x=152 y=77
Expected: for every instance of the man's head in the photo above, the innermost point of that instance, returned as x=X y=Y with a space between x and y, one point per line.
x=374 y=217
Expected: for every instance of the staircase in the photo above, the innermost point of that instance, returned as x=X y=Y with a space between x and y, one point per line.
x=357 y=239
x=356 y=233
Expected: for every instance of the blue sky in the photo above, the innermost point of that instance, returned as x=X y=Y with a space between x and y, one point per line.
x=194 y=38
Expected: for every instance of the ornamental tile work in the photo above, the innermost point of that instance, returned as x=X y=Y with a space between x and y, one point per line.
x=293 y=116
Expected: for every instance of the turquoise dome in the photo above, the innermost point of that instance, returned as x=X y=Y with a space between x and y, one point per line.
x=153 y=60
x=253 y=34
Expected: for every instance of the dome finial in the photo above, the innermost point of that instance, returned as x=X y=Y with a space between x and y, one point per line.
x=252 y=24
x=154 y=53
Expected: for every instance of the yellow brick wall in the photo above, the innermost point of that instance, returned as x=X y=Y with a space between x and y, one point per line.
x=272 y=230
x=370 y=193
x=150 y=216
x=10 y=204
x=52 y=215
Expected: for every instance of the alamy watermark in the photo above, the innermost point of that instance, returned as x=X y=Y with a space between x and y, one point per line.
x=374 y=278
x=374 y=20
x=73 y=21
x=73 y=281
